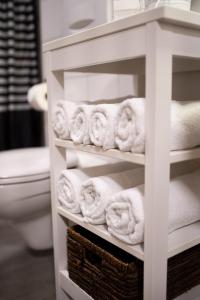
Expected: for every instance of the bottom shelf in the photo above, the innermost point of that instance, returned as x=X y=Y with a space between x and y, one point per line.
x=74 y=291
x=71 y=288
x=178 y=241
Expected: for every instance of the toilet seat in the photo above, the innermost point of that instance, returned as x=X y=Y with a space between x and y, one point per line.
x=24 y=165
x=24 y=173
x=24 y=181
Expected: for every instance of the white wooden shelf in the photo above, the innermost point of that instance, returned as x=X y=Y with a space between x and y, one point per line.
x=178 y=241
x=113 y=153
x=77 y=293
x=183 y=239
x=157 y=42
x=184 y=155
x=72 y=288
x=175 y=156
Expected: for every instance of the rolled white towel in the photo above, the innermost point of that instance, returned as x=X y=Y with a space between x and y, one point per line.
x=62 y=118
x=95 y=192
x=125 y=215
x=68 y=188
x=79 y=126
x=130 y=125
x=129 y=131
x=69 y=183
x=125 y=212
x=102 y=125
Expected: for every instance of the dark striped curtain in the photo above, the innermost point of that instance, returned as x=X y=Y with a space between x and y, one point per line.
x=20 y=126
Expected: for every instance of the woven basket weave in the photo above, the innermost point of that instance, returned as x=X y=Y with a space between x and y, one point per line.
x=106 y=272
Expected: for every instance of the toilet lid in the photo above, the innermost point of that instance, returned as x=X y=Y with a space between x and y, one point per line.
x=23 y=165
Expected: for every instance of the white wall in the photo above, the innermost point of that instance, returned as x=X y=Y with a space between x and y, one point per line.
x=52 y=14
x=56 y=14
x=123 y=8
x=56 y=18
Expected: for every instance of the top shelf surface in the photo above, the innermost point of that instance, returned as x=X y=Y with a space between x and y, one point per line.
x=163 y=14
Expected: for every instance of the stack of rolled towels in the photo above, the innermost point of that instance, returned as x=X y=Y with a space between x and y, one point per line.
x=113 y=193
x=117 y=199
x=122 y=125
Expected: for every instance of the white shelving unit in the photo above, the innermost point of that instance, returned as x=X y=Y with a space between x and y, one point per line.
x=155 y=43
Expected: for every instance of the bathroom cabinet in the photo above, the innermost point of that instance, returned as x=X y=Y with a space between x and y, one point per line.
x=156 y=43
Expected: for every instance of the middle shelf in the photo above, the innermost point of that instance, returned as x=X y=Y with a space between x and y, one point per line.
x=178 y=241
x=137 y=158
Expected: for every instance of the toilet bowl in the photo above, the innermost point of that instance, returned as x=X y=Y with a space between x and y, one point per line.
x=25 y=194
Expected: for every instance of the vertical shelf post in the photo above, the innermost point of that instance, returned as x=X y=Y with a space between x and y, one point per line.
x=157 y=161
x=55 y=81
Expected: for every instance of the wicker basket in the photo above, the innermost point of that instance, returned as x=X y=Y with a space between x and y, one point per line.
x=106 y=272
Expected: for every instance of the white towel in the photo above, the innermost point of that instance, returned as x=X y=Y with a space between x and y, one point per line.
x=129 y=131
x=79 y=127
x=86 y=160
x=125 y=212
x=68 y=188
x=102 y=125
x=185 y=124
x=95 y=192
x=69 y=183
x=72 y=159
x=62 y=118
x=130 y=125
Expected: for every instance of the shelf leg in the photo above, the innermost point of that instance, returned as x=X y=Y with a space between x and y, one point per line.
x=157 y=161
x=55 y=81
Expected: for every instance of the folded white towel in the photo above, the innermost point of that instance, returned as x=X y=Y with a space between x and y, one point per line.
x=102 y=125
x=79 y=126
x=185 y=124
x=130 y=125
x=62 y=118
x=125 y=212
x=69 y=183
x=95 y=192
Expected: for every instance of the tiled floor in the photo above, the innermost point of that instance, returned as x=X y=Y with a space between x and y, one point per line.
x=24 y=275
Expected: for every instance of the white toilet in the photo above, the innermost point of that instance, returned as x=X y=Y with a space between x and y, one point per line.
x=25 y=194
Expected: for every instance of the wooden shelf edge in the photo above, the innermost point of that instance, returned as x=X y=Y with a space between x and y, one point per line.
x=178 y=241
x=112 y=153
x=175 y=156
x=167 y=14
x=183 y=239
x=71 y=288
x=184 y=155
x=102 y=232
